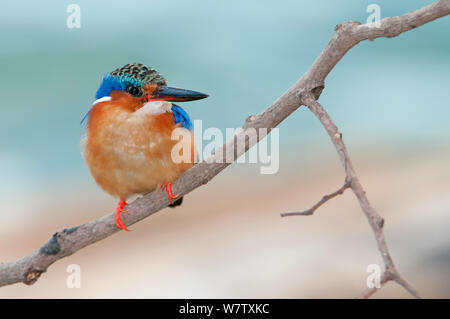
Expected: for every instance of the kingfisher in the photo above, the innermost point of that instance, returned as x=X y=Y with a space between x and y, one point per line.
x=128 y=142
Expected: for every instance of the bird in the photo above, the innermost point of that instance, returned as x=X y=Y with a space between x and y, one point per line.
x=128 y=142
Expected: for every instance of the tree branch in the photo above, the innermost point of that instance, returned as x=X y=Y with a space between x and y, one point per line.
x=308 y=88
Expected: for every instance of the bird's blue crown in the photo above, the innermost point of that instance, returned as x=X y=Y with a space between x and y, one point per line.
x=113 y=82
x=135 y=74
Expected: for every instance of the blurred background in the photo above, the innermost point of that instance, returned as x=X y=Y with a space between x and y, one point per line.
x=389 y=97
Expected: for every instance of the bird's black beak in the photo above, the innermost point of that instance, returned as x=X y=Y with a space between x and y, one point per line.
x=171 y=94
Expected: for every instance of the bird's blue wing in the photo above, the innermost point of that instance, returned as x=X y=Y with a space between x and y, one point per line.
x=181 y=116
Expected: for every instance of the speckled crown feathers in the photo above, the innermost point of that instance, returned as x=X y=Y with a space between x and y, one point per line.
x=141 y=73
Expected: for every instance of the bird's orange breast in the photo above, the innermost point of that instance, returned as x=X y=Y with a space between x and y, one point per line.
x=129 y=152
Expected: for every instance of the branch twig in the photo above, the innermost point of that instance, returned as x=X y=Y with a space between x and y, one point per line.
x=322 y=201
x=68 y=241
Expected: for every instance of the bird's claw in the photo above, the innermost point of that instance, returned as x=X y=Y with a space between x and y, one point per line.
x=168 y=187
x=119 y=209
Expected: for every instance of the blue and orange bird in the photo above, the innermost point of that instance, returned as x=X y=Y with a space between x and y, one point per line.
x=128 y=142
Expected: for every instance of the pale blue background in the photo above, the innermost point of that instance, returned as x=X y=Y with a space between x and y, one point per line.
x=243 y=53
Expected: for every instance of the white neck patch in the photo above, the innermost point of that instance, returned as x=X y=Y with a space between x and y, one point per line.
x=155 y=107
x=102 y=99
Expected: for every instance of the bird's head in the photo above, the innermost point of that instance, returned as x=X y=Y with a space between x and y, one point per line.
x=136 y=84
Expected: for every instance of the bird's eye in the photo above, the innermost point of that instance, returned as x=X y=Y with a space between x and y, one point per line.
x=134 y=90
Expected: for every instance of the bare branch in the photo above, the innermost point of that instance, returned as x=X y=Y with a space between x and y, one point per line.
x=324 y=199
x=375 y=220
x=308 y=87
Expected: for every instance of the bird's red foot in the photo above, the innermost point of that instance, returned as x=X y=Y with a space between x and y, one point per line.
x=168 y=187
x=119 y=223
